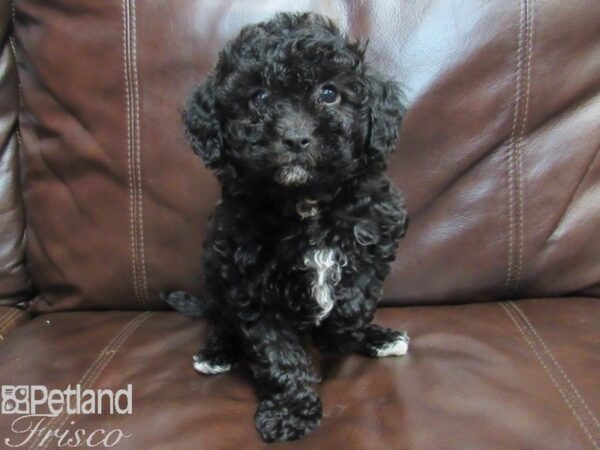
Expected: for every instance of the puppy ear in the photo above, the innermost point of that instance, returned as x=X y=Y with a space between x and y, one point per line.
x=202 y=124
x=386 y=110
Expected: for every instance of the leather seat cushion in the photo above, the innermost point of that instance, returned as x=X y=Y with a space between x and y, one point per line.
x=497 y=375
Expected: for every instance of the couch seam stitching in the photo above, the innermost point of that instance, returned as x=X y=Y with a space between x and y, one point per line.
x=8 y=323
x=519 y=144
x=130 y=171
x=511 y=155
x=128 y=133
x=105 y=354
x=8 y=316
x=6 y=320
x=95 y=373
x=4 y=317
x=556 y=384
x=556 y=363
x=140 y=190
x=86 y=374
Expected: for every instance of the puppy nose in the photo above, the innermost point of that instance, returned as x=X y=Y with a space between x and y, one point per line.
x=296 y=142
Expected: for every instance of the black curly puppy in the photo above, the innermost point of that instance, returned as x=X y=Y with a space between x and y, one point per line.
x=298 y=130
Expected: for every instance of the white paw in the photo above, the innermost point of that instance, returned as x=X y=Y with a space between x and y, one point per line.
x=399 y=347
x=207 y=368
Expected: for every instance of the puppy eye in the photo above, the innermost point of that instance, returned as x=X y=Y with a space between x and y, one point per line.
x=329 y=95
x=260 y=99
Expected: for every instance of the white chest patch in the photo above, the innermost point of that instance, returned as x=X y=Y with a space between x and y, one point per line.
x=326 y=273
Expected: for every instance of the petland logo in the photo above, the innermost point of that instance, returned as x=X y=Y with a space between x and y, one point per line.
x=43 y=414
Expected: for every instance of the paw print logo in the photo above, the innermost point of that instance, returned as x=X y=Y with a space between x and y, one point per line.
x=15 y=400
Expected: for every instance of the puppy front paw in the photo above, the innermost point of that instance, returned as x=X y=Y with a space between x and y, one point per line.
x=380 y=342
x=288 y=419
x=398 y=346
x=210 y=366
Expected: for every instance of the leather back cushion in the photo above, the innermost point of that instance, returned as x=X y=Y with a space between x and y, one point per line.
x=498 y=156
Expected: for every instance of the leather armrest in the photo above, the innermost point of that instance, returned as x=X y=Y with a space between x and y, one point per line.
x=14 y=282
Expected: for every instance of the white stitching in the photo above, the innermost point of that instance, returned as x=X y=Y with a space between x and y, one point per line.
x=11 y=322
x=556 y=364
x=516 y=234
x=128 y=133
x=86 y=374
x=5 y=316
x=104 y=358
x=511 y=153
x=92 y=373
x=138 y=156
x=130 y=151
x=556 y=384
x=133 y=156
x=548 y=371
x=519 y=146
x=8 y=319
x=511 y=219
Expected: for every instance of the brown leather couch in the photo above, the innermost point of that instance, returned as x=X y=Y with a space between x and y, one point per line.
x=103 y=206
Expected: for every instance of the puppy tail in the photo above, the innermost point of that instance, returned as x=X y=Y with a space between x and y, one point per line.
x=186 y=304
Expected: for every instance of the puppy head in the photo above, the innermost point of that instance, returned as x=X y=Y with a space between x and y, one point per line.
x=292 y=104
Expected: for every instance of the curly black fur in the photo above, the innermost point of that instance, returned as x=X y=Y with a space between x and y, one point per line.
x=298 y=129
